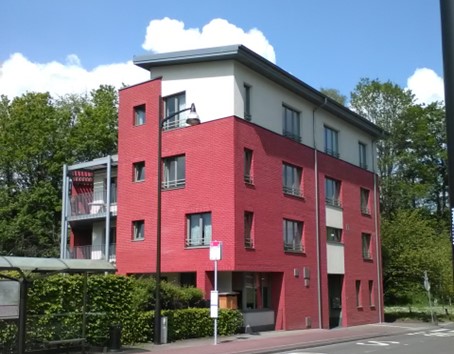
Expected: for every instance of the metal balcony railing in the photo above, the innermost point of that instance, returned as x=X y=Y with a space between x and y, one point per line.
x=91 y=204
x=92 y=252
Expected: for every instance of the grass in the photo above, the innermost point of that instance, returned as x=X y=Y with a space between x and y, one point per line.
x=416 y=313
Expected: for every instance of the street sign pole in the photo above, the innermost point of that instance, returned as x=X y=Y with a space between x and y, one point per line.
x=427 y=287
x=215 y=255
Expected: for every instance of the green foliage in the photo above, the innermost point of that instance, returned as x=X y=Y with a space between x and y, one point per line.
x=172 y=296
x=55 y=310
x=196 y=323
x=335 y=95
x=410 y=247
x=37 y=136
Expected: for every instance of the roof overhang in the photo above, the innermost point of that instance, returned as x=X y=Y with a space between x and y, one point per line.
x=54 y=265
x=266 y=68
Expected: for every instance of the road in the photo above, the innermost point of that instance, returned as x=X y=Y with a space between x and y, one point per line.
x=435 y=341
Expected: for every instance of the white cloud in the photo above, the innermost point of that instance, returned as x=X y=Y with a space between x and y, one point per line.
x=168 y=35
x=426 y=85
x=19 y=75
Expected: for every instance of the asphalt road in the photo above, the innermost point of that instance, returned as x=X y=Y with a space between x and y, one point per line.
x=435 y=341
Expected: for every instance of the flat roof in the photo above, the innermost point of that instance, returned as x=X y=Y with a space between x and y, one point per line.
x=57 y=265
x=254 y=61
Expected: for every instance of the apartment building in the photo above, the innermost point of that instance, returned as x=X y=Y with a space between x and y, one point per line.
x=279 y=173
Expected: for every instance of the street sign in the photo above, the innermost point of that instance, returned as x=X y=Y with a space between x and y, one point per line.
x=426 y=282
x=215 y=250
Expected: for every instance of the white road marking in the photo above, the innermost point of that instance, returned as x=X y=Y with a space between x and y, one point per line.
x=378 y=343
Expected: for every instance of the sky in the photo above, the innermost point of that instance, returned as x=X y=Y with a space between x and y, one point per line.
x=74 y=46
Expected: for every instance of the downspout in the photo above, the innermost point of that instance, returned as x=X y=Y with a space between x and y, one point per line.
x=64 y=212
x=108 y=191
x=377 y=243
x=317 y=217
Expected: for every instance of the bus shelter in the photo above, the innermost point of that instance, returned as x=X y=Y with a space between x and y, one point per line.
x=13 y=289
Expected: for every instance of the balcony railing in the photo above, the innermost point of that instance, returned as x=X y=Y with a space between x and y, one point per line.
x=92 y=204
x=93 y=252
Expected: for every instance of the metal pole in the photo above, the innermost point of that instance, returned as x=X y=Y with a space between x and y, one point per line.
x=216 y=289
x=22 y=314
x=157 y=308
x=64 y=210
x=107 y=203
x=447 y=31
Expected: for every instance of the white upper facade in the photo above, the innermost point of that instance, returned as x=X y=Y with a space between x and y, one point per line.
x=234 y=81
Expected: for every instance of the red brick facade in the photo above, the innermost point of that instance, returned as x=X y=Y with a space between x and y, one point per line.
x=214 y=154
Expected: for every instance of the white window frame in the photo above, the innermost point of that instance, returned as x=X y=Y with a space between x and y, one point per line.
x=359 y=300
x=365 y=195
x=333 y=234
x=247 y=102
x=362 y=150
x=332 y=192
x=139 y=171
x=248 y=229
x=199 y=230
x=291 y=123
x=331 y=141
x=248 y=158
x=293 y=235
x=291 y=179
x=173 y=104
x=174 y=172
x=138 y=230
x=365 y=245
x=139 y=115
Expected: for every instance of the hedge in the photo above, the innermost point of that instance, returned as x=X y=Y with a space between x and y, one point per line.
x=55 y=303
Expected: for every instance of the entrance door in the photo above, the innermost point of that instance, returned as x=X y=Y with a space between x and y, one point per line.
x=335 y=282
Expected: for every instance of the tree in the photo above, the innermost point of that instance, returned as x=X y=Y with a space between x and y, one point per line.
x=37 y=136
x=335 y=95
x=384 y=104
x=411 y=245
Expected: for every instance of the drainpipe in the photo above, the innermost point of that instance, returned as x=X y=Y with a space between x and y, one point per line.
x=377 y=243
x=317 y=216
x=64 y=212
x=108 y=191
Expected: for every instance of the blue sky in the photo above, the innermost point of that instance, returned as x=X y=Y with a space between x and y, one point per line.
x=326 y=43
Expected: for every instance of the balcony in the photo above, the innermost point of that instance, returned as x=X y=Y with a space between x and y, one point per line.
x=91 y=205
x=92 y=252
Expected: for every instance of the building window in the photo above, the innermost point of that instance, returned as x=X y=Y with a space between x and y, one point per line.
x=248 y=229
x=358 y=293
x=331 y=142
x=332 y=192
x=257 y=291
x=173 y=104
x=293 y=234
x=174 y=172
x=247 y=102
x=366 y=246
x=291 y=180
x=138 y=230
x=248 y=178
x=139 y=171
x=365 y=201
x=333 y=234
x=199 y=230
x=291 y=123
x=371 y=293
x=139 y=115
x=362 y=155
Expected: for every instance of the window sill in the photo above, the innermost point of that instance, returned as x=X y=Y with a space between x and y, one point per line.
x=294 y=252
x=172 y=188
x=138 y=239
x=368 y=259
x=294 y=195
x=196 y=247
x=360 y=308
x=139 y=181
x=372 y=307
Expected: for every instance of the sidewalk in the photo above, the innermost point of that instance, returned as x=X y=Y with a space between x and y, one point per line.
x=279 y=341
